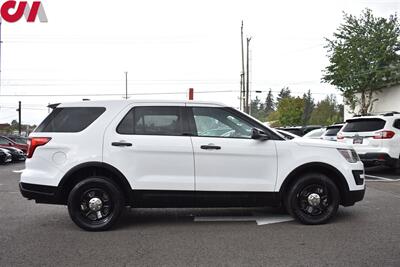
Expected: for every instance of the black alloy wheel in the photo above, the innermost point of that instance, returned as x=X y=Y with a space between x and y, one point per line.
x=95 y=204
x=313 y=199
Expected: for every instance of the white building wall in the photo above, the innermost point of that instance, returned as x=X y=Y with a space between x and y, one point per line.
x=388 y=100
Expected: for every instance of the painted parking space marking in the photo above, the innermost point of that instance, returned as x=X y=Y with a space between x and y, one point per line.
x=260 y=219
x=379 y=178
x=274 y=219
x=17 y=171
x=224 y=219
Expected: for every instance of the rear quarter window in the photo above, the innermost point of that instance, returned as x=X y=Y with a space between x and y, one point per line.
x=364 y=125
x=332 y=131
x=70 y=119
x=397 y=124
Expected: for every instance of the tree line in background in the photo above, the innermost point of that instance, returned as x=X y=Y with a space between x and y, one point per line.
x=364 y=57
x=288 y=110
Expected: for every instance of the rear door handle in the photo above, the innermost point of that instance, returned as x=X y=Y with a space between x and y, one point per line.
x=210 y=147
x=121 y=144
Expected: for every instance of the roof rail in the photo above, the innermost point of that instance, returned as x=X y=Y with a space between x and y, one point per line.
x=391 y=113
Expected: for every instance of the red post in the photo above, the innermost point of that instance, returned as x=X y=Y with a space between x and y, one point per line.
x=191 y=93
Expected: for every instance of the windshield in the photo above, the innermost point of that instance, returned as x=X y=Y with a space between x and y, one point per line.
x=332 y=131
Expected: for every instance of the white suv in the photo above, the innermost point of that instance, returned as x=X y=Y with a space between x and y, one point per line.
x=97 y=157
x=375 y=138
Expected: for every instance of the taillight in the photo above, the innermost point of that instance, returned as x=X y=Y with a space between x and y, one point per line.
x=384 y=135
x=34 y=142
x=340 y=136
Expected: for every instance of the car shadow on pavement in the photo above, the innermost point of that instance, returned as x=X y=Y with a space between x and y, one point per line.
x=132 y=217
x=149 y=216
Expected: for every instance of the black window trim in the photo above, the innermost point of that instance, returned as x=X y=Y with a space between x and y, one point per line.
x=189 y=124
x=183 y=112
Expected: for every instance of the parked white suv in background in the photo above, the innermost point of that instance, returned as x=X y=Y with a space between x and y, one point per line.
x=99 y=156
x=331 y=132
x=375 y=138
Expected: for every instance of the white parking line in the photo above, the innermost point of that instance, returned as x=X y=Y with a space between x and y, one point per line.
x=274 y=219
x=260 y=219
x=224 y=219
x=379 y=177
x=18 y=171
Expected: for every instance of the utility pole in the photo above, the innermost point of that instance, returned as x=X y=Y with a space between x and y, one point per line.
x=247 y=109
x=126 y=85
x=242 y=81
x=19 y=117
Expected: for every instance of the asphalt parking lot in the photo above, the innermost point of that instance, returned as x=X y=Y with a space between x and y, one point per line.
x=366 y=234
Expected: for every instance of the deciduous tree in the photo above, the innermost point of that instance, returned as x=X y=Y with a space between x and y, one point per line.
x=364 y=58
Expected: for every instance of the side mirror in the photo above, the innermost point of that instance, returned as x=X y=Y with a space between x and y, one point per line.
x=258 y=134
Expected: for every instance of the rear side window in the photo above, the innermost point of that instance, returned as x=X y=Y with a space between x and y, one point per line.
x=332 y=131
x=4 y=141
x=364 y=125
x=152 y=121
x=70 y=120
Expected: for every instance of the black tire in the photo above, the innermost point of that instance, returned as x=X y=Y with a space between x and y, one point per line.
x=302 y=199
x=95 y=204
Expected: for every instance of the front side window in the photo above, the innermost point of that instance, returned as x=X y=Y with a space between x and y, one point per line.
x=152 y=121
x=220 y=122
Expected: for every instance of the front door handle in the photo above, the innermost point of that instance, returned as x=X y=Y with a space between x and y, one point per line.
x=121 y=144
x=210 y=147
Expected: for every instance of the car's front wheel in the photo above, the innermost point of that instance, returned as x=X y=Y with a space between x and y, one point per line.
x=313 y=199
x=95 y=203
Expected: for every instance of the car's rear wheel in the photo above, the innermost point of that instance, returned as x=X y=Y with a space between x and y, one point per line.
x=95 y=204
x=313 y=199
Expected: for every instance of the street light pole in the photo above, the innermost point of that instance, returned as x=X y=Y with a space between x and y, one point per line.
x=126 y=85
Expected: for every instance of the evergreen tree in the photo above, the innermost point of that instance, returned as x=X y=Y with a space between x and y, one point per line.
x=269 y=105
x=308 y=107
x=284 y=93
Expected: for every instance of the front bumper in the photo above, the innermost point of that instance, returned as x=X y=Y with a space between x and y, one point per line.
x=40 y=193
x=352 y=197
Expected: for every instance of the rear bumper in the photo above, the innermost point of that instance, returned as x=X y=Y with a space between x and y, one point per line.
x=352 y=197
x=40 y=193
x=377 y=158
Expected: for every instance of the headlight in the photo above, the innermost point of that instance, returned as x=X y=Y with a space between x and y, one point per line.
x=349 y=154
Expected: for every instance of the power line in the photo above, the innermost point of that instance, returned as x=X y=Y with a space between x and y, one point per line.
x=1 y=107
x=144 y=94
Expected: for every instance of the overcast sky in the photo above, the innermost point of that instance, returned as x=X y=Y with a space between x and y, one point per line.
x=167 y=47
